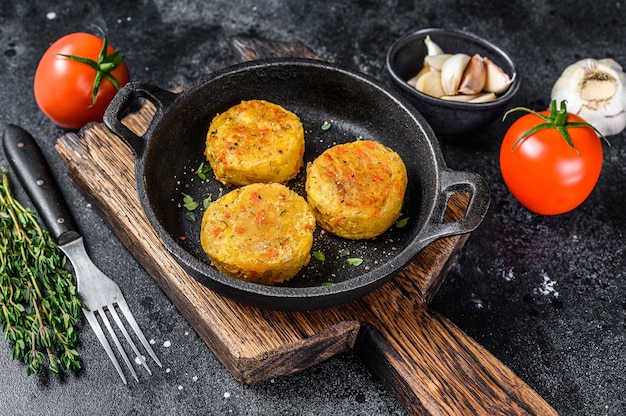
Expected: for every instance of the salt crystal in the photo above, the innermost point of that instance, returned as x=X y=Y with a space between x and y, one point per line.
x=477 y=302
x=227 y=395
x=547 y=286
x=51 y=15
x=508 y=275
x=167 y=344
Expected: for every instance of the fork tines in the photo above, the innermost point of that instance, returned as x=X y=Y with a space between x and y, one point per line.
x=95 y=325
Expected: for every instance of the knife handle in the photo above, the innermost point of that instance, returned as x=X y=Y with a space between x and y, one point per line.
x=32 y=170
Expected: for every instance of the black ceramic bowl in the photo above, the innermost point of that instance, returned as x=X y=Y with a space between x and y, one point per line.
x=405 y=58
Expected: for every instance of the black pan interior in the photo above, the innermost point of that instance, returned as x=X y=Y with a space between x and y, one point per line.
x=354 y=106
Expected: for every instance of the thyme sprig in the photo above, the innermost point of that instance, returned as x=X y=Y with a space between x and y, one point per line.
x=39 y=302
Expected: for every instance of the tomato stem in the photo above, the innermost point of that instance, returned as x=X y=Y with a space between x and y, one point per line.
x=106 y=67
x=560 y=117
x=103 y=67
x=556 y=120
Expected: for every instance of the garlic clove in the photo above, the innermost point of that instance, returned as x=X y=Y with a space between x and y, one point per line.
x=430 y=83
x=452 y=72
x=474 y=77
x=436 y=61
x=462 y=98
x=596 y=91
x=484 y=97
x=497 y=80
x=432 y=47
x=426 y=68
x=473 y=98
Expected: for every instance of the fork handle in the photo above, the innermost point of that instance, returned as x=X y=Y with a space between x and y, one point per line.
x=32 y=170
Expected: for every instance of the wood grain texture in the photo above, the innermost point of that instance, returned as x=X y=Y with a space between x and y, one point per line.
x=429 y=364
x=251 y=48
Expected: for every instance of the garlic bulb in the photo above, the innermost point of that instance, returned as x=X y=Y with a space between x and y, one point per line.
x=595 y=90
x=459 y=77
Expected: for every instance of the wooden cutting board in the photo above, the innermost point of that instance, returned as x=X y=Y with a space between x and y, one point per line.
x=430 y=365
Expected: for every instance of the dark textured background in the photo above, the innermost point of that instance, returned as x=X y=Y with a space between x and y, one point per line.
x=544 y=294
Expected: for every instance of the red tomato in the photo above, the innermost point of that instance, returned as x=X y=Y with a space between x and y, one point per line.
x=543 y=171
x=64 y=87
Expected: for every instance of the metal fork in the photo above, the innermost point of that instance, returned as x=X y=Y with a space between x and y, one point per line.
x=99 y=293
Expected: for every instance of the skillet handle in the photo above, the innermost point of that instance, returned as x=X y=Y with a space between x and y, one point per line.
x=122 y=104
x=452 y=182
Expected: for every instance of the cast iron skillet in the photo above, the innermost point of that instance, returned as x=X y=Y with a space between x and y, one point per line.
x=356 y=106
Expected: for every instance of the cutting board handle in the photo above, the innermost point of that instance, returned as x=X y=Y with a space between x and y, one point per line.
x=122 y=105
x=434 y=368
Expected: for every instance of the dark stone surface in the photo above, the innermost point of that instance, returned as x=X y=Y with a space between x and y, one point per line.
x=544 y=294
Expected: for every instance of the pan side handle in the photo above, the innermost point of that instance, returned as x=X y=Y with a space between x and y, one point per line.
x=122 y=105
x=452 y=182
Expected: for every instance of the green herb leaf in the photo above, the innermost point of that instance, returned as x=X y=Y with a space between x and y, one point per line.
x=327 y=284
x=326 y=126
x=203 y=170
x=353 y=261
x=402 y=223
x=318 y=255
x=189 y=203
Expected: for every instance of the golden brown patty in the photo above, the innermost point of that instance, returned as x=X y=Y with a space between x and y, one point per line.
x=261 y=233
x=356 y=189
x=255 y=141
